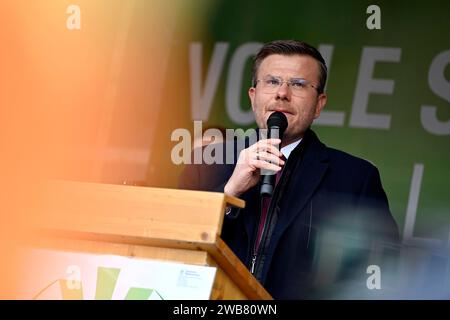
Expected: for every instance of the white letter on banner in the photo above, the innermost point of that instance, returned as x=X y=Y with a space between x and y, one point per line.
x=234 y=84
x=329 y=118
x=366 y=84
x=201 y=102
x=441 y=87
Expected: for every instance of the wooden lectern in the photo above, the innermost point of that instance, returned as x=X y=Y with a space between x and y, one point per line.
x=152 y=223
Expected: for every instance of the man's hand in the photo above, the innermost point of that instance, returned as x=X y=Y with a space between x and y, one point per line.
x=262 y=155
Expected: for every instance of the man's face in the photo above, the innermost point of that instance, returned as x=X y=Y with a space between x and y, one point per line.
x=300 y=108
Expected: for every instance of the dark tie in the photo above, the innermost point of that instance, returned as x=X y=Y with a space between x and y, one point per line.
x=265 y=208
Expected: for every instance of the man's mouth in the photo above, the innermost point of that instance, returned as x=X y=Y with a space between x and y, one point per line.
x=285 y=111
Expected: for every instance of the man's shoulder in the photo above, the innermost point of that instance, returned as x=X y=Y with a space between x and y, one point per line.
x=342 y=158
x=336 y=156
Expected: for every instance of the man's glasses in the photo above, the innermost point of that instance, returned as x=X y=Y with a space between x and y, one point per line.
x=299 y=86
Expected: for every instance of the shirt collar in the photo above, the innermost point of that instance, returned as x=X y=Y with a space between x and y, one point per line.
x=286 y=150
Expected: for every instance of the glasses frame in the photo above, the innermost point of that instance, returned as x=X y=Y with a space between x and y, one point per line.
x=289 y=83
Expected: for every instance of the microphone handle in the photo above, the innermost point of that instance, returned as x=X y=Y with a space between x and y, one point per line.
x=268 y=180
x=267 y=185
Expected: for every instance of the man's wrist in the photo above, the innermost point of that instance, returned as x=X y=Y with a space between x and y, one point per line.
x=226 y=190
x=229 y=191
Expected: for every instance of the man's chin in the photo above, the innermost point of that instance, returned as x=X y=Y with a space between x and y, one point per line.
x=290 y=136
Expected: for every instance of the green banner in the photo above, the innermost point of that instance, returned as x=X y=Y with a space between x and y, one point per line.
x=388 y=87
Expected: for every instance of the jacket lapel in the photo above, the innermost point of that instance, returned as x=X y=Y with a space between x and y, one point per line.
x=305 y=180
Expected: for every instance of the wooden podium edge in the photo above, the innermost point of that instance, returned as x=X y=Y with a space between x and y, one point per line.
x=237 y=271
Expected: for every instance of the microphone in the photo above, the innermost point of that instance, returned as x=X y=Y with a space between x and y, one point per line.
x=276 y=125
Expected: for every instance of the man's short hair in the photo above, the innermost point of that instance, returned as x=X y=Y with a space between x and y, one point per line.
x=289 y=48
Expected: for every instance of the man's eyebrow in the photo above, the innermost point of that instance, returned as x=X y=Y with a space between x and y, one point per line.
x=291 y=78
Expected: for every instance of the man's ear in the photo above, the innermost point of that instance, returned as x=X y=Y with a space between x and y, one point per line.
x=321 y=102
x=251 y=95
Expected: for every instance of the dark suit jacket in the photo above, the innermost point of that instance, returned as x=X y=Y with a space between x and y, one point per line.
x=330 y=220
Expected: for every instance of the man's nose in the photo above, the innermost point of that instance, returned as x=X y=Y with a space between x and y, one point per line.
x=283 y=91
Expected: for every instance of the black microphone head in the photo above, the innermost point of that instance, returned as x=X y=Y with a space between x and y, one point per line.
x=279 y=120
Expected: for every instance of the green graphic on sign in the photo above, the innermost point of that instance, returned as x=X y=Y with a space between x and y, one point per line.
x=106 y=284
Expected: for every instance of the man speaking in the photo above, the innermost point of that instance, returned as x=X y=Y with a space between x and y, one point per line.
x=327 y=218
